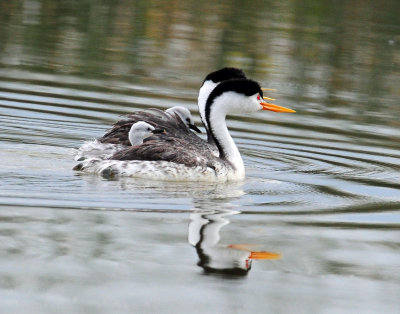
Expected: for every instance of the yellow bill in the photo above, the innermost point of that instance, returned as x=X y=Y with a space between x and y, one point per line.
x=264 y=255
x=255 y=254
x=268 y=89
x=275 y=108
x=268 y=98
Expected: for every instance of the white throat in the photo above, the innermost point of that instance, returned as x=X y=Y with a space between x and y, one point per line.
x=217 y=120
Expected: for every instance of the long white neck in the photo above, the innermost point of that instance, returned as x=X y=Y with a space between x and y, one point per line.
x=204 y=92
x=226 y=146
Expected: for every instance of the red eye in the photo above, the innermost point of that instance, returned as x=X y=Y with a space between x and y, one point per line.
x=258 y=97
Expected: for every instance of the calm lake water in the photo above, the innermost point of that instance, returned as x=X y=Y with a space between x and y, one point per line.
x=322 y=186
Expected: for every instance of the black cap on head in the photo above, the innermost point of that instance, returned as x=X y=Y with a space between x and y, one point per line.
x=225 y=74
x=240 y=86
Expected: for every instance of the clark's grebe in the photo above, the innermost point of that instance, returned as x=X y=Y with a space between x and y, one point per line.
x=178 y=158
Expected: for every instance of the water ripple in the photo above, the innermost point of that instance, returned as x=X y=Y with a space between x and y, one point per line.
x=302 y=165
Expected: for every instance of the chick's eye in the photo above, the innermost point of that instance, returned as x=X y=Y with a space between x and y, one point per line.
x=148 y=129
x=187 y=120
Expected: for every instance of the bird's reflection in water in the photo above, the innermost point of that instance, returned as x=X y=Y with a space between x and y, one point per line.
x=228 y=260
x=205 y=225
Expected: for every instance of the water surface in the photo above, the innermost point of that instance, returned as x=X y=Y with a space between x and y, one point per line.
x=322 y=186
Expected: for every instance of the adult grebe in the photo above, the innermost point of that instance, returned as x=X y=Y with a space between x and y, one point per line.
x=172 y=158
x=138 y=132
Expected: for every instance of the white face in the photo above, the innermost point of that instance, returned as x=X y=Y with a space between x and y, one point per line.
x=183 y=113
x=139 y=131
x=257 y=98
x=239 y=103
x=142 y=127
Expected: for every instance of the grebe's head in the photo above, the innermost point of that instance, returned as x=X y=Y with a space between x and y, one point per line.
x=239 y=96
x=211 y=81
x=185 y=116
x=140 y=131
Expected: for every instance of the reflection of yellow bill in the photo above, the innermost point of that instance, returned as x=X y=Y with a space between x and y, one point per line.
x=243 y=247
x=264 y=255
x=255 y=254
